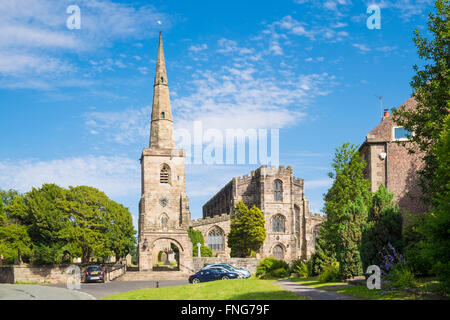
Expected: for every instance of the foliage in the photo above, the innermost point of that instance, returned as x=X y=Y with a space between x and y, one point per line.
x=346 y=207
x=271 y=267
x=384 y=226
x=395 y=272
x=57 y=223
x=330 y=273
x=302 y=268
x=3 y=217
x=197 y=237
x=437 y=223
x=415 y=251
x=247 y=230
x=431 y=91
x=7 y=196
x=321 y=256
x=14 y=237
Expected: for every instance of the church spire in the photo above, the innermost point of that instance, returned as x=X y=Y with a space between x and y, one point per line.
x=161 y=131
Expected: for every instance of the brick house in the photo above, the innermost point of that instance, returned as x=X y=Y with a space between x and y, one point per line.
x=389 y=163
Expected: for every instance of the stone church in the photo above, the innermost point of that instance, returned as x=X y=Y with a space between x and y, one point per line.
x=164 y=216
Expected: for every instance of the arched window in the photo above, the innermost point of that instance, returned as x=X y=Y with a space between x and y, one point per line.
x=216 y=239
x=278 y=190
x=164 y=176
x=278 y=252
x=278 y=223
x=163 y=115
x=164 y=221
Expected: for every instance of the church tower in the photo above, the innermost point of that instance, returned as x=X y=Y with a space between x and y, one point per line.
x=164 y=215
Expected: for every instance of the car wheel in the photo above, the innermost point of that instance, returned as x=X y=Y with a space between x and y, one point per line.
x=225 y=278
x=195 y=280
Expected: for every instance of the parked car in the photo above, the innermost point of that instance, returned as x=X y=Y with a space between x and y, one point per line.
x=212 y=274
x=242 y=272
x=95 y=273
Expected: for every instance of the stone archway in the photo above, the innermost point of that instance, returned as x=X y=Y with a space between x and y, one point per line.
x=166 y=254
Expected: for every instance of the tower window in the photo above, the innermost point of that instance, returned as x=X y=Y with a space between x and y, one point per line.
x=163 y=115
x=162 y=80
x=164 y=174
x=278 y=190
x=278 y=223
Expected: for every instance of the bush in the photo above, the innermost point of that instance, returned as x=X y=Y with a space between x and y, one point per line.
x=269 y=267
x=400 y=276
x=302 y=268
x=330 y=273
x=280 y=273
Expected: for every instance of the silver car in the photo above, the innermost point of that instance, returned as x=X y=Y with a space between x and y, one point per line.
x=243 y=274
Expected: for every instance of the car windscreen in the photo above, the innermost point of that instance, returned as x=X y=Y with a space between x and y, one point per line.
x=91 y=269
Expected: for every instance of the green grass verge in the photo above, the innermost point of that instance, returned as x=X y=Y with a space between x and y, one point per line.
x=421 y=292
x=238 y=289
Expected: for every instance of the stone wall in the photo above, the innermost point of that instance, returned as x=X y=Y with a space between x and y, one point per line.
x=49 y=274
x=249 y=264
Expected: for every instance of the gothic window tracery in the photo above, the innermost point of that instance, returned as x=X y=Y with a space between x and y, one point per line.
x=278 y=190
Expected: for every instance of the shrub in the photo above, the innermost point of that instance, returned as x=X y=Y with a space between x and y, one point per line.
x=268 y=266
x=400 y=276
x=280 y=273
x=302 y=268
x=395 y=272
x=330 y=273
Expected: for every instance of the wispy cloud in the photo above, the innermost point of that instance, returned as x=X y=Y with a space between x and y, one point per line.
x=116 y=176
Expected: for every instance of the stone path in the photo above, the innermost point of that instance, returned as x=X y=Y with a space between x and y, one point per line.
x=312 y=293
x=38 y=292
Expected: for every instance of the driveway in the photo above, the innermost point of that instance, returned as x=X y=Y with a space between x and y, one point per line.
x=101 y=290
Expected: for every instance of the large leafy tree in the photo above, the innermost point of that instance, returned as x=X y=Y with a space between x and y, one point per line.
x=384 y=226
x=247 y=230
x=431 y=90
x=96 y=223
x=347 y=204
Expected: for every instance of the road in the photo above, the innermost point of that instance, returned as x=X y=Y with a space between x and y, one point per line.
x=88 y=291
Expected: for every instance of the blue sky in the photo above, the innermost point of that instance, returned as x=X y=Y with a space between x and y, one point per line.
x=75 y=104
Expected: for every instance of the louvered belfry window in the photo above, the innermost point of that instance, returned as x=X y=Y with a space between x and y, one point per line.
x=164 y=175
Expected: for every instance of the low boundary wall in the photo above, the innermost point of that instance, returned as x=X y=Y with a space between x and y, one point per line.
x=52 y=273
x=249 y=264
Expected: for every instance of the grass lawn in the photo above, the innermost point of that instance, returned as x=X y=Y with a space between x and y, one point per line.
x=237 y=289
x=423 y=291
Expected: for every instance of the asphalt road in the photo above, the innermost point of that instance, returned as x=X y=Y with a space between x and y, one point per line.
x=100 y=290
x=88 y=291
x=40 y=292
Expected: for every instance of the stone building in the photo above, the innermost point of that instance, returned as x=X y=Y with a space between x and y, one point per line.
x=164 y=207
x=389 y=162
x=164 y=216
x=291 y=228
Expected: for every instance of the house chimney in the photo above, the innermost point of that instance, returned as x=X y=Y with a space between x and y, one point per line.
x=386 y=113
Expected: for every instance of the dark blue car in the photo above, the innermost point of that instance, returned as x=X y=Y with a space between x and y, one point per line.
x=212 y=274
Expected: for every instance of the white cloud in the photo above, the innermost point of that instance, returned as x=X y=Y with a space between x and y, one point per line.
x=198 y=48
x=116 y=176
x=361 y=47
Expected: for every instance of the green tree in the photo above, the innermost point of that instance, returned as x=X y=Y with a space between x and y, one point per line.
x=120 y=231
x=247 y=230
x=384 y=226
x=346 y=207
x=14 y=237
x=437 y=223
x=197 y=237
x=7 y=196
x=322 y=257
x=431 y=90
x=2 y=213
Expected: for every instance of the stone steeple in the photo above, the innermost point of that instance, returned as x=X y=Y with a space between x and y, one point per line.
x=161 y=131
